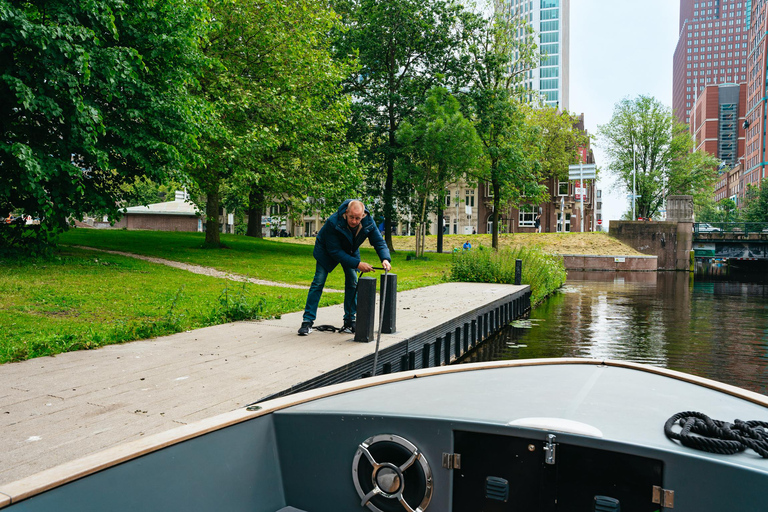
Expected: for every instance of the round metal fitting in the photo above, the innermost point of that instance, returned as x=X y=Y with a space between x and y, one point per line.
x=383 y=481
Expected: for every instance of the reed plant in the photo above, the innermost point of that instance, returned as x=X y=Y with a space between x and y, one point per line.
x=544 y=272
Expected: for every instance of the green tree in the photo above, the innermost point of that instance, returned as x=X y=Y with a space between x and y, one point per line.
x=404 y=48
x=644 y=135
x=94 y=95
x=756 y=203
x=511 y=145
x=440 y=147
x=560 y=139
x=280 y=118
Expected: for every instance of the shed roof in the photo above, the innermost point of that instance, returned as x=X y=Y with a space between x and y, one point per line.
x=178 y=207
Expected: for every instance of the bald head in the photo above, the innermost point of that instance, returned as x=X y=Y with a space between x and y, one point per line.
x=356 y=206
x=355 y=213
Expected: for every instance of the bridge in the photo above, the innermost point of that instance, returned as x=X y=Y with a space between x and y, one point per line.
x=731 y=240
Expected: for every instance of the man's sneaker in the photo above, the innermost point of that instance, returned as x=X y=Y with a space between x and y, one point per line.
x=349 y=327
x=306 y=328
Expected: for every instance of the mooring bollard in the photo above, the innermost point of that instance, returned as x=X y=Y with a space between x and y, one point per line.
x=388 y=324
x=518 y=272
x=366 y=309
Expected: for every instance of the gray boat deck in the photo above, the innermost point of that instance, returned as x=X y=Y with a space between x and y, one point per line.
x=58 y=409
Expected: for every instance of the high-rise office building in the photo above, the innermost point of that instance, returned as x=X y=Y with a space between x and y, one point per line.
x=711 y=49
x=550 y=20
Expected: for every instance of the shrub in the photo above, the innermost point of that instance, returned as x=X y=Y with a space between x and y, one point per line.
x=544 y=272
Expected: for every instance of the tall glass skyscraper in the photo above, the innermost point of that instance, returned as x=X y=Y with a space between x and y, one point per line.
x=550 y=22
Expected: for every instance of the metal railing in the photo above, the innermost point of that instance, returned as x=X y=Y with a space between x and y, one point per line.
x=740 y=228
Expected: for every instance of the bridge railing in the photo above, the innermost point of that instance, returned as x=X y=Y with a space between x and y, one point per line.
x=741 y=228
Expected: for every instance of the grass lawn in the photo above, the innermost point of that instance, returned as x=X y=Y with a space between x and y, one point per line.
x=81 y=299
x=553 y=243
x=270 y=259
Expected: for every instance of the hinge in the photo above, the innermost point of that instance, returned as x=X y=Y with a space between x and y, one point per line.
x=452 y=460
x=663 y=497
x=549 y=449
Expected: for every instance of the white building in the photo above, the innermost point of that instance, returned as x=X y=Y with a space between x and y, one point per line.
x=550 y=20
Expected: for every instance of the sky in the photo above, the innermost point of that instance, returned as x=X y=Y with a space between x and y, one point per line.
x=619 y=49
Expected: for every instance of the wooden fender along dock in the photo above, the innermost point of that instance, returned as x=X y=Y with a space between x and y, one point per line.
x=58 y=409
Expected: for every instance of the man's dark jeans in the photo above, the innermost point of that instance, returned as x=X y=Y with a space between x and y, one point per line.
x=316 y=291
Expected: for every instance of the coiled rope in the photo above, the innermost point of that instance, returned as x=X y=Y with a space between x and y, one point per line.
x=701 y=432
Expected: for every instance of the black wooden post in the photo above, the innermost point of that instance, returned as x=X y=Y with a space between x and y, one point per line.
x=518 y=271
x=457 y=341
x=436 y=351
x=388 y=323
x=366 y=309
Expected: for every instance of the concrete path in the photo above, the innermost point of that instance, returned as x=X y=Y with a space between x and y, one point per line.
x=58 y=409
x=206 y=271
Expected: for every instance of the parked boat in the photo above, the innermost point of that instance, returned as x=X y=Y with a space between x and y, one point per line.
x=548 y=434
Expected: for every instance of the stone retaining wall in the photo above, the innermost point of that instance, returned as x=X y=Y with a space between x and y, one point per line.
x=612 y=263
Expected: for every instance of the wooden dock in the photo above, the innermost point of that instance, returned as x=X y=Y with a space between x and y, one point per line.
x=59 y=409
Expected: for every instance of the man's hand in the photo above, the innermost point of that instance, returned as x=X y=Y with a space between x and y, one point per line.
x=386 y=265
x=364 y=267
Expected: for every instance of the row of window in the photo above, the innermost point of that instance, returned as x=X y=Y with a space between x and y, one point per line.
x=715 y=71
x=549 y=37
x=549 y=26
x=469 y=197
x=714 y=64
x=549 y=84
x=549 y=49
x=722 y=79
x=709 y=4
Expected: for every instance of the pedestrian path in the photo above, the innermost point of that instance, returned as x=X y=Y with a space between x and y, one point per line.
x=62 y=408
x=206 y=271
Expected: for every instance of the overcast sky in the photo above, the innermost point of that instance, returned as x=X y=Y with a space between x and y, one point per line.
x=619 y=49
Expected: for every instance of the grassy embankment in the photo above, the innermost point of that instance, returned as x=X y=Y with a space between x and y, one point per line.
x=82 y=299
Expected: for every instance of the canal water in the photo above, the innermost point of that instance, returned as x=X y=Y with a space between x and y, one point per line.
x=712 y=328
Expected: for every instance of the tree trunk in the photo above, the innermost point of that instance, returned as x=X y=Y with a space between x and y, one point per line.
x=496 y=203
x=440 y=224
x=422 y=228
x=212 y=234
x=389 y=186
x=255 y=207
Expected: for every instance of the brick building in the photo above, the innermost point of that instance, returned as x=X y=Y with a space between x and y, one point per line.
x=711 y=49
x=717 y=122
x=755 y=154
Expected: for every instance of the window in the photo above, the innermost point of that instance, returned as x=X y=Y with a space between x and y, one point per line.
x=562 y=188
x=447 y=198
x=528 y=215
x=470 y=198
x=548 y=26
x=563 y=224
x=599 y=194
x=548 y=84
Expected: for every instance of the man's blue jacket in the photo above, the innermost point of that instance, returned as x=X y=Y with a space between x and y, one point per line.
x=334 y=243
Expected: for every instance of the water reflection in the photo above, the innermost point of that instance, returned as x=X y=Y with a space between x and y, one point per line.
x=715 y=329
